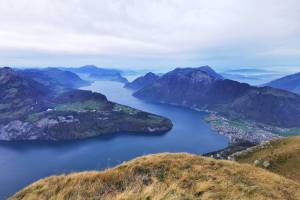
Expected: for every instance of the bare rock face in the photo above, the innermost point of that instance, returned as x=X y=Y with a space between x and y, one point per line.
x=18 y=130
x=46 y=122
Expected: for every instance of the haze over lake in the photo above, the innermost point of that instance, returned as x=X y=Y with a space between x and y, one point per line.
x=24 y=162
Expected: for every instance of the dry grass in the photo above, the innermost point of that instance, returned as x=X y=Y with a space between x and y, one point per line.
x=166 y=176
x=283 y=155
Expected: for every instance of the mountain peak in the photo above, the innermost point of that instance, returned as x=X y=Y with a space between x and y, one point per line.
x=7 y=74
x=150 y=74
x=207 y=69
x=142 y=81
x=204 y=72
x=6 y=70
x=89 y=66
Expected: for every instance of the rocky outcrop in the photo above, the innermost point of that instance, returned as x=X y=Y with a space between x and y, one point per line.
x=18 y=130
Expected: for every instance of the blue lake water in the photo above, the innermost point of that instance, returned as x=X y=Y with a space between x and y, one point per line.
x=21 y=163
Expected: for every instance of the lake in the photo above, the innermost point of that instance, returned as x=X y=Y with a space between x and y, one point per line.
x=22 y=163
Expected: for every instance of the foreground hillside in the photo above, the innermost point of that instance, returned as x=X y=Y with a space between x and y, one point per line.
x=167 y=176
x=280 y=156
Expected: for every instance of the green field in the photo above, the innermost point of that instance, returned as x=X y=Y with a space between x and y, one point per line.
x=125 y=109
x=79 y=106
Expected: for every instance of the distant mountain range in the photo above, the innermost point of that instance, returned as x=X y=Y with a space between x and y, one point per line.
x=202 y=88
x=32 y=108
x=54 y=77
x=290 y=83
x=93 y=72
x=248 y=71
x=251 y=75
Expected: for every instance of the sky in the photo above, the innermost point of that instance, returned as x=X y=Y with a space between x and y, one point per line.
x=151 y=33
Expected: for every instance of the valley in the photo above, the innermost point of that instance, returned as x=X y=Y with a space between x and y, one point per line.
x=120 y=125
x=20 y=163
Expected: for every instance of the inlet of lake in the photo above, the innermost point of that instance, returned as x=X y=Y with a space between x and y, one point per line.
x=22 y=163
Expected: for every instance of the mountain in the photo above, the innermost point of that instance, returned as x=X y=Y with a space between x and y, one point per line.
x=166 y=176
x=54 y=77
x=195 y=88
x=30 y=110
x=95 y=73
x=142 y=81
x=290 y=83
x=207 y=69
x=19 y=96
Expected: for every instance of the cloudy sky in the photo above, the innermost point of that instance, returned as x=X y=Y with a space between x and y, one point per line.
x=150 y=33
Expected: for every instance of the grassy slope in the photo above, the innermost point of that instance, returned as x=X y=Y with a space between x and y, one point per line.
x=167 y=176
x=283 y=155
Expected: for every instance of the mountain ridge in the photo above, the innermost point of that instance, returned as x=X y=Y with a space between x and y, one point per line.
x=96 y=73
x=290 y=83
x=194 y=88
x=54 y=77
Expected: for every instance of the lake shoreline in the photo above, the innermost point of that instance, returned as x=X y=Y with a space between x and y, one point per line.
x=21 y=161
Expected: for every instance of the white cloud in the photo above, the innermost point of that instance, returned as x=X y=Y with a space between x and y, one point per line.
x=149 y=32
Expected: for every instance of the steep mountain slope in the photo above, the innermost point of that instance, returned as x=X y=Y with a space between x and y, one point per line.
x=167 y=176
x=32 y=111
x=54 y=77
x=208 y=70
x=291 y=83
x=19 y=96
x=142 y=81
x=279 y=156
x=195 y=88
x=96 y=73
